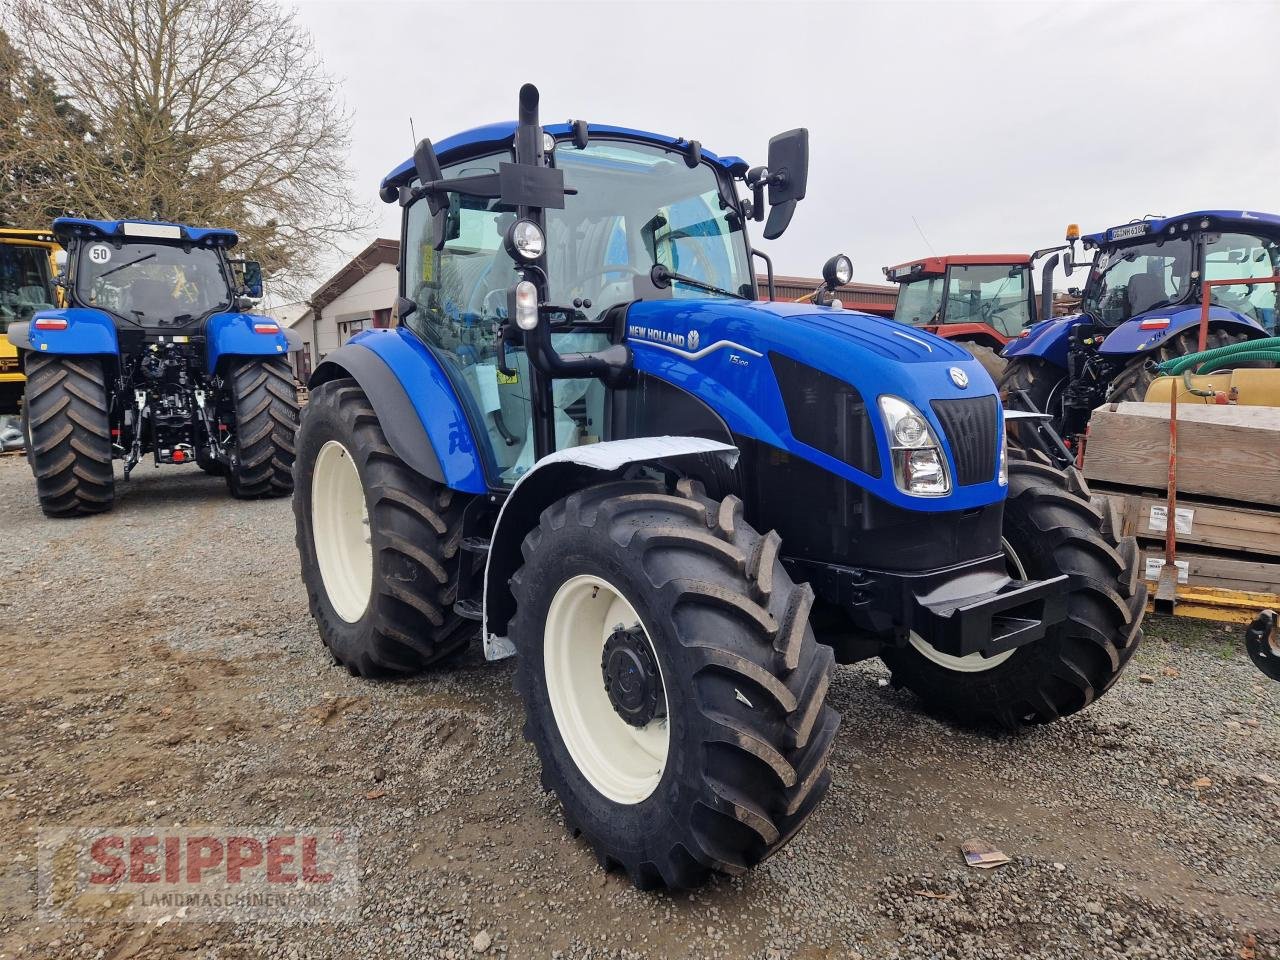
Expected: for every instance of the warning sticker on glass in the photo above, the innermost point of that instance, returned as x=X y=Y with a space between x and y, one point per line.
x=1154 y=564
x=100 y=253
x=1159 y=518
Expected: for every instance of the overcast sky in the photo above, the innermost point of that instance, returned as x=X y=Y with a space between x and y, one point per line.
x=992 y=125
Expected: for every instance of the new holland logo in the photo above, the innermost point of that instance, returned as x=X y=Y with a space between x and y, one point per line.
x=959 y=377
x=693 y=339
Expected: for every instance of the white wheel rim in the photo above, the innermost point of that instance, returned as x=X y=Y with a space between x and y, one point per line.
x=340 y=527
x=974 y=662
x=623 y=762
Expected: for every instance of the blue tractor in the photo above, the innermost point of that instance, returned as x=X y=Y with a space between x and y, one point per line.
x=649 y=486
x=154 y=353
x=1141 y=306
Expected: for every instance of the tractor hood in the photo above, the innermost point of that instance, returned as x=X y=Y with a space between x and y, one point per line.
x=725 y=351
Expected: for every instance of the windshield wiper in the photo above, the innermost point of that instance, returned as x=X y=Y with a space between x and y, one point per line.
x=125 y=265
x=662 y=276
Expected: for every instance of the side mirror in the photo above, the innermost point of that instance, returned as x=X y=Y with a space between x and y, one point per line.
x=252 y=279
x=404 y=307
x=788 y=178
x=425 y=163
x=1068 y=261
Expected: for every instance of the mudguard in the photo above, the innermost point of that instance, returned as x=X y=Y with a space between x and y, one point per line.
x=233 y=335
x=417 y=407
x=1047 y=339
x=1131 y=337
x=88 y=331
x=552 y=478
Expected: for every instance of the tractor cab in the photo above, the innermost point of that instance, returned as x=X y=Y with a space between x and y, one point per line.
x=1158 y=265
x=991 y=293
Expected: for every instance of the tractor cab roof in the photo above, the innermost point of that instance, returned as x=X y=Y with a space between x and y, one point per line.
x=937 y=266
x=1243 y=220
x=479 y=140
x=66 y=227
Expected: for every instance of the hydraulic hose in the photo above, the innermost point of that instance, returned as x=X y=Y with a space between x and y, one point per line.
x=1233 y=354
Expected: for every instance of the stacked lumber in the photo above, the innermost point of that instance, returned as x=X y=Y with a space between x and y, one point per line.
x=1228 y=506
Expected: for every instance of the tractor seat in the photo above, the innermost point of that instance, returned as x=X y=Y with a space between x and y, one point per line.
x=1144 y=289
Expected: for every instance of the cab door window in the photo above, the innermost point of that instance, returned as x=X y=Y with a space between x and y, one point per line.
x=1232 y=256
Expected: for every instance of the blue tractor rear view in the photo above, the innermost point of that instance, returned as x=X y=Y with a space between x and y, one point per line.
x=1141 y=307
x=651 y=487
x=154 y=354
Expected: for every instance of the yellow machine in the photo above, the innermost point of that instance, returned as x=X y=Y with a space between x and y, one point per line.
x=1246 y=387
x=27 y=269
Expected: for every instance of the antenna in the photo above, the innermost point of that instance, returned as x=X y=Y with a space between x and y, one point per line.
x=922 y=236
x=412 y=136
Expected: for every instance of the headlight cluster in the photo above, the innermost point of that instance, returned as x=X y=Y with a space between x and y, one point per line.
x=919 y=466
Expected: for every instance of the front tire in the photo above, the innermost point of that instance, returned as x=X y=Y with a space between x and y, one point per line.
x=1042 y=382
x=1050 y=528
x=66 y=422
x=379 y=542
x=671 y=599
x=264 y=406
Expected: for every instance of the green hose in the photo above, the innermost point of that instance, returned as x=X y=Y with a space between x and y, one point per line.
x=1233 y=354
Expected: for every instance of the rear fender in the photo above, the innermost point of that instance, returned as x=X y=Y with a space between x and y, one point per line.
x=1049 y=340
x=87 y=332
x=236 y=335
x=417 y=408
x=551 y=479
x=977 y=332
x=1132 y=338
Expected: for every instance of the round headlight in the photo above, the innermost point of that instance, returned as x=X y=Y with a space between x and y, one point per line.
x=525 y=240
x=910 y=431
x=837 y=271
x=548 y=143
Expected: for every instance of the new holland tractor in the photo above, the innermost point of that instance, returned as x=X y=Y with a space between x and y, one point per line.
x=649 y=486
x=1141 y=307
x=155 y=354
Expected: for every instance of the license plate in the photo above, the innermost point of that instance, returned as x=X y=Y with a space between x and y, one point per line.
x=1129 y=230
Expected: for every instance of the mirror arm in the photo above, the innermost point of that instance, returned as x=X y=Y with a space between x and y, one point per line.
x=768 y=262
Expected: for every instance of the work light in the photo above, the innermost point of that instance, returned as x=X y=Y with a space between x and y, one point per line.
x=525 y=241
x=524 y=305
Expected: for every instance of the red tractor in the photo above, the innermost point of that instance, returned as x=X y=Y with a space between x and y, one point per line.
x=982 y=301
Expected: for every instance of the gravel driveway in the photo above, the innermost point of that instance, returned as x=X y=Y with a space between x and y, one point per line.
x=160 y=667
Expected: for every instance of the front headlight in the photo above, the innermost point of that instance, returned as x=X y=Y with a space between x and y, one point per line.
x=1002 y=473
x=919 y=466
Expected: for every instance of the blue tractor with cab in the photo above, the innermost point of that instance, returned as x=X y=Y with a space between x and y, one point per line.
x=589 y=437
x=1141 y=306
x=154 y=353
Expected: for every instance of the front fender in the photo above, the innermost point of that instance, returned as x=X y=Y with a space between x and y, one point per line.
x=554 y=477
x=88 y=331
x=1131 y=338
x=417 y=407
x=233 y=335
x=1049 y=340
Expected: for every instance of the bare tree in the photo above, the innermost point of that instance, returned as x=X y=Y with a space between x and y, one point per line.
x=204 y=111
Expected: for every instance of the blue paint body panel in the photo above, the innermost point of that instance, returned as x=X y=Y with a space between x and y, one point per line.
x=1244 y=220
x=88 y=332
x=729 y=370
x=436 y=402
x=1047 y=339
x=231 y=334
x=494 y=135
x=1129 y=338
x=64 y=227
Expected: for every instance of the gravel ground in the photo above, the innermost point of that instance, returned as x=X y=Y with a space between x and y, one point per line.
x=161 y=668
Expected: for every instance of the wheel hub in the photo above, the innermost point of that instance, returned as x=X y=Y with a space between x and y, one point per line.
x=631 y=677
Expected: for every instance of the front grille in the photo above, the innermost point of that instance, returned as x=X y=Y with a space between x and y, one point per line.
x=827 y=414
x=971 y=427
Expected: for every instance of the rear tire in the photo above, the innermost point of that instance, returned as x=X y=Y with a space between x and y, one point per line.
x=1134 y=379
x=66 y=422
x=1052 y=529
x=382 y=582
x=264 y=405
x=990 y=358
x=748 y=733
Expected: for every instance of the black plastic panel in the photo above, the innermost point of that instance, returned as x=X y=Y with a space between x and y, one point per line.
x=971 y=426
x=827 y=414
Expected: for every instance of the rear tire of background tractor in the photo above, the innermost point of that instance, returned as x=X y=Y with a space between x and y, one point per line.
x=1134 y=379
x=690 y=590
x=990 y=359
x=264 y=404
x=1052 y=529
x=65 y=419
x=1042 y=382
x=389 y=541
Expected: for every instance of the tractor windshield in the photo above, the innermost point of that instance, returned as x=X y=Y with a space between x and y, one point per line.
x=919 y=302
x=24 y=282
x=151 y=283
x=1127 y=281
x=997 y=295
